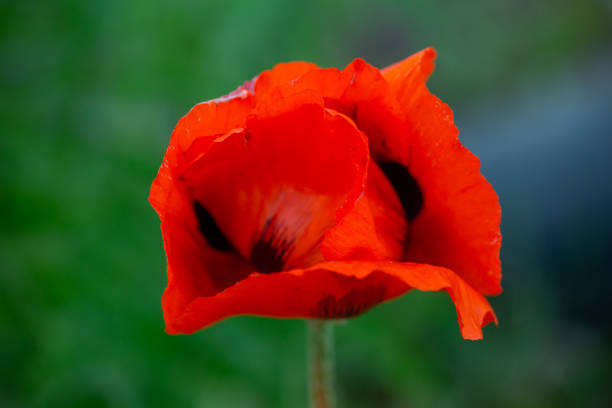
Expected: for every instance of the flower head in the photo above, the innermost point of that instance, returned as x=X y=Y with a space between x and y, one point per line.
x=319 y=193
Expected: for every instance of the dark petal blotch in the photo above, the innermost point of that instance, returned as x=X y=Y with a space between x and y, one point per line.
x=210 y=230
x=406 y=187
x=271 y=250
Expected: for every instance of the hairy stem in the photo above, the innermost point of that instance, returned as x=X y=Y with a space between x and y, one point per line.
x=321 y=363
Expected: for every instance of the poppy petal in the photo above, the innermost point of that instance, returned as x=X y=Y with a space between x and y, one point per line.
x=420 y=64
x=453 y=210
x=374 y=230
x=333 y=290
x=458 y=227
x=204 y=123
x=361 y=92
x=343 y=90
x=194 y=268
x=268 y=186
x=281 y=74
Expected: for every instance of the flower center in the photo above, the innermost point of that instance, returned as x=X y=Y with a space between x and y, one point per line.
x=287 y=237
x=274 y=246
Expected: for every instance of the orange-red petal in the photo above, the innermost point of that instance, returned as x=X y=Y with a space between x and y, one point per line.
x=290 y=146
x=333 y=290
x=194 y=268
x=204 y=123
x=374 y=230
x=420 y=64
x=278 y=185
x=281 y=74
x=458 y=227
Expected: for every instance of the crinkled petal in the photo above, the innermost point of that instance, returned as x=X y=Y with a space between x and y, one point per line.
x=456 y=224
x=204 y=123
x=281 y=74
x=334 y=290
x=458 y=227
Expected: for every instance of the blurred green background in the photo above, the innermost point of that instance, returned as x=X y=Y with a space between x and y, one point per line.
x=90 y=93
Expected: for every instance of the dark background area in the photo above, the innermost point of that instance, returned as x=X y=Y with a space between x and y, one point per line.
x=90 y=93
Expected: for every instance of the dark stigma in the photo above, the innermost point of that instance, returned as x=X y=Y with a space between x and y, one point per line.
x=405 y=186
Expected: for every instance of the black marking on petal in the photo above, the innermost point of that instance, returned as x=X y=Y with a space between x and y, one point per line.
x=406 y=187
x=272 y=249
x=353 y=303
x=210 y=230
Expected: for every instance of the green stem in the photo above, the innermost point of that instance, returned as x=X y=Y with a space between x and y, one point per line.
x=321 y=363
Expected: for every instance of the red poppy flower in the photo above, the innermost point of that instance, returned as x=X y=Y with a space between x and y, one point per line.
x=319 y=193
